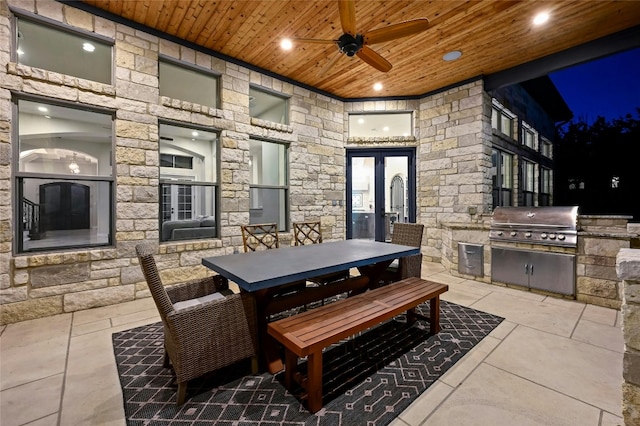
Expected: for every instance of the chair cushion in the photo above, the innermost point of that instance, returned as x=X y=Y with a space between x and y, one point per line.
x=197 y=301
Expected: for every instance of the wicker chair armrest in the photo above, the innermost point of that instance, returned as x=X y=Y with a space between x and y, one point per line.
x=224 y=328
x=197 y=288
x=410 y=266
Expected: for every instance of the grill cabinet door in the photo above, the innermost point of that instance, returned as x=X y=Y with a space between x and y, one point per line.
x=509 y=266
x=555 y=272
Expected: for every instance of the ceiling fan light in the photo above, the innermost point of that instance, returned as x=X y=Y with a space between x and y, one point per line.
x=452 y=56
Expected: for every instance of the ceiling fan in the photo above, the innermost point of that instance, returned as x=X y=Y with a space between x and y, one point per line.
x=351 y=43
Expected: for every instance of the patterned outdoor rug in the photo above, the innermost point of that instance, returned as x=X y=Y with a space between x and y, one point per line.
x=368 y=380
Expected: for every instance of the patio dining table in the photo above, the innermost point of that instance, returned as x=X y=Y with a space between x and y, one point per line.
x=264 y=272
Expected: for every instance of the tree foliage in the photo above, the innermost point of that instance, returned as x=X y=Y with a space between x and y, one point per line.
x=597 y=165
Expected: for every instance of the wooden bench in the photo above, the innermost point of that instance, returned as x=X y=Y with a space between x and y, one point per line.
x=308 y=333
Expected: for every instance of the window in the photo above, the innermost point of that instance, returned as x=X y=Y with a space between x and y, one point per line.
x=268 y=106
x=65 y=52
x=528 y=183
x=380 y=125
x=188 y=183
x=546 y=148
x=502 y=119
x=189 y=84
x=64 y=177
x=268 y=185
x=502 y=177
x=545 y=187
x=528 y=136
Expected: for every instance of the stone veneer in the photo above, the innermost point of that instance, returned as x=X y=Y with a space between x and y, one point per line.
x=452 y=137
x=628 y=269
x=37 y=285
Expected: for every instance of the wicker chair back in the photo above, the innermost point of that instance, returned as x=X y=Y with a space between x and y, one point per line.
x=260 y=236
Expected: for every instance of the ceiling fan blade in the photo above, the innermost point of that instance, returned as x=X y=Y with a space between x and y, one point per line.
x=347 y=9
x=312 y=40
x=329 y=64
x=395 y=31
x=374 y=59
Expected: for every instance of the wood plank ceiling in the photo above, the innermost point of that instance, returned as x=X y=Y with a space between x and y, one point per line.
x=492 y=35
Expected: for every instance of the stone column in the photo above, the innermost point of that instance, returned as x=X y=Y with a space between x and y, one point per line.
x=628 y=268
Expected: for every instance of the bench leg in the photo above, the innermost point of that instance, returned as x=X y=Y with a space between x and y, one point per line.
x=411 y=316
x=434 y=315
x=314 y=382
x=290 y=369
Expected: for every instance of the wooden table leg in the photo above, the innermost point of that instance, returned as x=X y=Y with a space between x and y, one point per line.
x=434 y=315
x=314 y=381
x=291 y=368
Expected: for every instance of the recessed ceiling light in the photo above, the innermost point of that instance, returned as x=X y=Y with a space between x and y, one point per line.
x=42 y=109
x=452 y=56
x=385 y=129
x=88 y=47
x=377 y=87
x=286 y=44
x=541 y=18
x=194 y=133
x=360 y=120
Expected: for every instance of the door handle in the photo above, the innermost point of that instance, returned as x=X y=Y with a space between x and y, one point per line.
x=526 y=269
x=531 y=270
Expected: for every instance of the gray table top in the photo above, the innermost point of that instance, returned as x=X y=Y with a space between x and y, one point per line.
x=269 y=268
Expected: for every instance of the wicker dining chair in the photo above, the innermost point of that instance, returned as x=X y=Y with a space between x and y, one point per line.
x=206 y=325
x=311 y=233
x=406 y=234
x=261 y=236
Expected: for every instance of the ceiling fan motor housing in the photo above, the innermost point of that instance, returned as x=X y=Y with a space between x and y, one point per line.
x=349 y=44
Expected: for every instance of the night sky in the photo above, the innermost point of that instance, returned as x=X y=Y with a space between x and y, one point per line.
x=609 y=87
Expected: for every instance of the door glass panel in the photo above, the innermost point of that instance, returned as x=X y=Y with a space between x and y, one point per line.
x=396 y=171
x=363 y=202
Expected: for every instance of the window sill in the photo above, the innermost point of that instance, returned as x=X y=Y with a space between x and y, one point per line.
x=190 y=106
x=271 y=125
x=32 y=73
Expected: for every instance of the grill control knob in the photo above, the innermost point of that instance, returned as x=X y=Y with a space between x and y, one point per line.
x=527 y=234
x=544 y=235
x=514 y=233
x=561 y=237
x=552 y=236
x=500 y=233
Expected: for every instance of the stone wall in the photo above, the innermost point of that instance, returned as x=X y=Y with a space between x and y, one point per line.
x=628 y=269
x=600 y=238
x=454 y=161
x=38 y=285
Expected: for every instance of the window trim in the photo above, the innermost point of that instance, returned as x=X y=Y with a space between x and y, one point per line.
x=371 y=113
x=502 y=110
x=216 y=185
x=500 y=188
x=268 y=91
x=287 y=185
x=58 y=26
x=195 y=68
x=17 y=175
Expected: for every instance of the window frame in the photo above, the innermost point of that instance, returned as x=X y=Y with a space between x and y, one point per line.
x=529 y=130
x=163 y=181
x=528 y=183
x=546 y=144
x=197 y=69
x=269 y=92
x=502 y=195
x=286 y=187
x=544 y=197
x=410 y=114
x=59 y=26
x=18 y=177
x=501 y=111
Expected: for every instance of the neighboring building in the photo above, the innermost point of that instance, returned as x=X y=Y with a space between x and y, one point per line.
x=160 y=143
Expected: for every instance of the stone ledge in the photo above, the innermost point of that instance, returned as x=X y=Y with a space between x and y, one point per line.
x=271 y=125
x=628 y=264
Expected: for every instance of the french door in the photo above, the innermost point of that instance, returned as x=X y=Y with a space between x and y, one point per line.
x=381 y=190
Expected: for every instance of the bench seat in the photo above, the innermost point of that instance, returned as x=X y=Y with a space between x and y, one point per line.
x=308 y=333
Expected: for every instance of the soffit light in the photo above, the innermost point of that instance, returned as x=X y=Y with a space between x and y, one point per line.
x=541 y=18
x=452 y=56
x=377 y=87
x=286 y=44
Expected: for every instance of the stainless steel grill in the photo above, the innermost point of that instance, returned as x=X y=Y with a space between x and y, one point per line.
x=556 y=226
